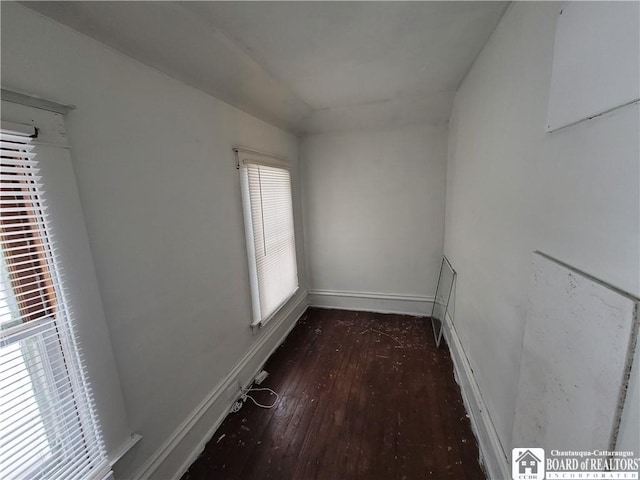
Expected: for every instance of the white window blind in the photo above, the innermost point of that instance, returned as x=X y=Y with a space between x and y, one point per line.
x=48 y=429
x=270 y=236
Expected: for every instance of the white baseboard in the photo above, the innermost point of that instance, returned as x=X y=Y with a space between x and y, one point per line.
x=371 y=302
x=181 y=449
x=492 y=455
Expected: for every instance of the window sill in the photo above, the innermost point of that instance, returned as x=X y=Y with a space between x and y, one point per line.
x=277 y=311
x=114 y=457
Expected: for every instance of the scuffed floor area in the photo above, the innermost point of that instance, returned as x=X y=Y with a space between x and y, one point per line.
x=361 y=396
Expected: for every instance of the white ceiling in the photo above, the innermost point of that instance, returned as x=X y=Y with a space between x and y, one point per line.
x=307 y=66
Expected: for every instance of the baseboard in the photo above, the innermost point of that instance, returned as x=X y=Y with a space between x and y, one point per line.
x=181 y=449
x=492 y=455
x=371 y=302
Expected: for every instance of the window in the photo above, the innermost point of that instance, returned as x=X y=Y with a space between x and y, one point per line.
x=266 y=196
x=48 y=428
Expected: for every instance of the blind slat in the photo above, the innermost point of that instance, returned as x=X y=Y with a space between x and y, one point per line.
x=47 y=423
x=267 y=197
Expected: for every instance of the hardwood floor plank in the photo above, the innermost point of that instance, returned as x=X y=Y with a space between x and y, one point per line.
x=312 y=392
x=291 y=414
x=342 y=438
x=243 y=431
x=362 y=396
x=415 y=444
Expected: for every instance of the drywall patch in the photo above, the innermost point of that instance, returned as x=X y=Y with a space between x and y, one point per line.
x=578 y=349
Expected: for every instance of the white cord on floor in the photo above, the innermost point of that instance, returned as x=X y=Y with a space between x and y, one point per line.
x=245 y=395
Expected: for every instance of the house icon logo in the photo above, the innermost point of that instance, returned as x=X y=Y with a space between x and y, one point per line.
x=527 y=464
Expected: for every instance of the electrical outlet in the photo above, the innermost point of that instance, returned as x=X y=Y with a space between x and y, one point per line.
x=260 y=377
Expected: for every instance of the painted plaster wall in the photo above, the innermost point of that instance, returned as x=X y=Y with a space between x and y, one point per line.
x=161 y=200
x=513 y=189
x=629 y=434
x=374 y=209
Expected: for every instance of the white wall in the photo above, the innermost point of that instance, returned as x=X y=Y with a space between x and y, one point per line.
x=513 y=189
x=161 y=199
x=374 y=210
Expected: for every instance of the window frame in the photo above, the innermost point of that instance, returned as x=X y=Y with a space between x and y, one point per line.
x=73 y=251
x=47 y=346
x=246 y=157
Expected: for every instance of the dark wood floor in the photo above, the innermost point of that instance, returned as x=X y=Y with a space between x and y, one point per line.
x=362 y=396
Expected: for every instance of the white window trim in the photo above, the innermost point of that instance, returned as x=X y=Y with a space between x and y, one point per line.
x=64 y=423
x=247 y=156
x=74 y=251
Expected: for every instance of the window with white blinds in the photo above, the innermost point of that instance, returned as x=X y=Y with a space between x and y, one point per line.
x=48 y=428
x=270 y=236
